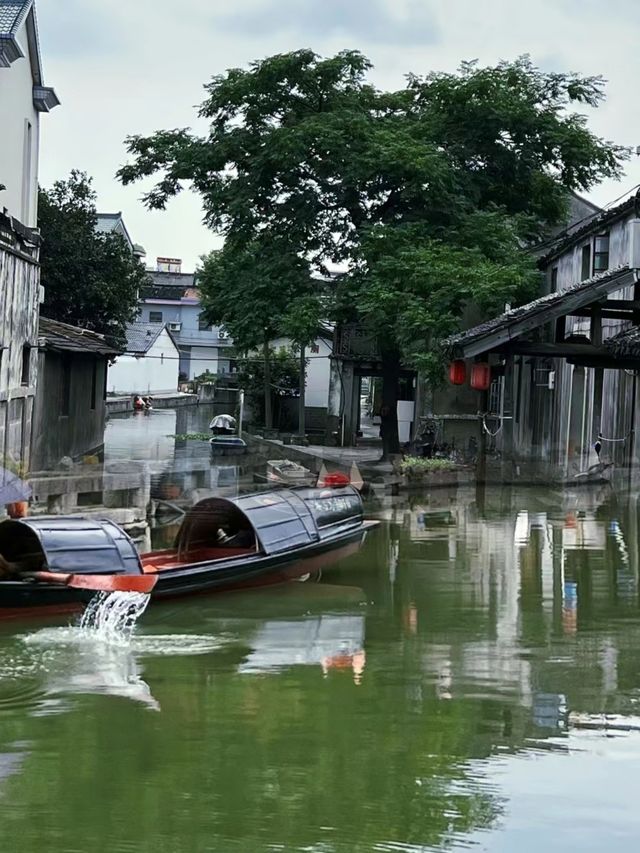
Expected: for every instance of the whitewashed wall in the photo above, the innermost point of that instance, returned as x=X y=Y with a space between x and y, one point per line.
x=318 y=371
x=203 y=358
x=16 y=109
x=154 y=373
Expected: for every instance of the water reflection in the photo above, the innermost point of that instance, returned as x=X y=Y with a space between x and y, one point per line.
x=329 y=641
x=396 y=705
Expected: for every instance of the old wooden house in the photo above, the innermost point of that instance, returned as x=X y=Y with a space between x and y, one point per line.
x=23 y=98
x=70 y=409
x=565 y=366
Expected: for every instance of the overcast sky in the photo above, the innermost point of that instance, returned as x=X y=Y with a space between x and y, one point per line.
x=135 y=67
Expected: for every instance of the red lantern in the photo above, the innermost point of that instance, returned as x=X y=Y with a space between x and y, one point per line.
x=335 y=479
x=457 y=372
x=480 y=377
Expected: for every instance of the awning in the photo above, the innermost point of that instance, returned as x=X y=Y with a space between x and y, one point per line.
x=512 y=324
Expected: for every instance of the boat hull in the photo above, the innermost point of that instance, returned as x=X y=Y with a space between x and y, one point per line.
x=201 y=578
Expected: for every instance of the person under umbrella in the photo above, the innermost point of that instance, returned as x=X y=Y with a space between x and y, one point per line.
x=223 y=425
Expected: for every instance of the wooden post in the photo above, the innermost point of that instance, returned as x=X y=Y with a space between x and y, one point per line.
x=481 y=461
x=303 y=383
x=268 y=416
x=507 y=422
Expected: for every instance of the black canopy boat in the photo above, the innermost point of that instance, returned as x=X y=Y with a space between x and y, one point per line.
x=222 y=544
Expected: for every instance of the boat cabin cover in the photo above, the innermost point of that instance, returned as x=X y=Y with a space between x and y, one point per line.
x=215 y=528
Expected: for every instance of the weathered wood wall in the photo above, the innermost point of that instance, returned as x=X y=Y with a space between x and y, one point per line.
x=79 y=430
x=19 y=302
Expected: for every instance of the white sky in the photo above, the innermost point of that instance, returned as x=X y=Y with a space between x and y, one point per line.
x=139 y=66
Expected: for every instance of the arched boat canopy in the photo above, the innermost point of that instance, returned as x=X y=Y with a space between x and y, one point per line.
x=280 y=521
x=80 y=545
x=268 y=523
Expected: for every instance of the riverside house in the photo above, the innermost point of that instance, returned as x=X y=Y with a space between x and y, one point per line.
x=565 y=366
x=23 y=98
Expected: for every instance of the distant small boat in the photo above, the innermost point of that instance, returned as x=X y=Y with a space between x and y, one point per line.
x=251 y=540
x=285 y=472
x=596 y=474
x=227 y=445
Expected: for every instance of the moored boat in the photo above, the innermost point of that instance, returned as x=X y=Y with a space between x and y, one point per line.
x=222 y=544
x=285 y=472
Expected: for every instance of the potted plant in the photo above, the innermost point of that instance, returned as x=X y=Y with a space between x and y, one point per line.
x=14 y=491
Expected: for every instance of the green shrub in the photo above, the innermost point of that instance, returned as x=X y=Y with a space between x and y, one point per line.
x=418 y=465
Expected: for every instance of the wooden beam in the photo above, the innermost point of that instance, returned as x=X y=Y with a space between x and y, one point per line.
x=629 y=304
x=607 y=314
x=595 y=331
x=542 y=313
x=586 y=355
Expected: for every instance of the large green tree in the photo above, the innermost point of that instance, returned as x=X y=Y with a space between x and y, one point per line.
x=427 y=197
x=258 y=291
x=90 y=279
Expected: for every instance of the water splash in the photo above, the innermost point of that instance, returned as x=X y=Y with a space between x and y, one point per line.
x=112 y=616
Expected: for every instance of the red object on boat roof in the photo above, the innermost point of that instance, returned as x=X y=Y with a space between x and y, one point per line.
x=336 y=479
x=480 y=377
x=457 y=372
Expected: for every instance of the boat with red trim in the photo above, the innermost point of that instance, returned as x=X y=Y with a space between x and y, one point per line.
x=222 y=543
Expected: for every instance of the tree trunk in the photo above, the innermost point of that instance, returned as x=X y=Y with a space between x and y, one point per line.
x=268 y=416
x=389 y=407
x=303 y=382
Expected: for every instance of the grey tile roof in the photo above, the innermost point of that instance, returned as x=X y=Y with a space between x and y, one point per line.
x=107 y=222
x=142 y=336
x=12 y=14
x=625 y=343
x=513 y=323
x=167 y=291
x=62 y=336
x=172 y=279
x=590 y=224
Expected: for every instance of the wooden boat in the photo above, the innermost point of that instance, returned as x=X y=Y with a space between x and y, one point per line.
x=287 y=473
x=222 y=543
x=227 y=445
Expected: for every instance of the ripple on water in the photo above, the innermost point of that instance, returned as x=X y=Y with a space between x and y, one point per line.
x=20 y=681
x=140 y=645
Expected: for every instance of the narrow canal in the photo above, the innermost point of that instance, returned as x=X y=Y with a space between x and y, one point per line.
x=470 y=678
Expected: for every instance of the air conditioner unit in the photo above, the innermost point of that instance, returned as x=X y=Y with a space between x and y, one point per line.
x=175 y=327
x=222 y=335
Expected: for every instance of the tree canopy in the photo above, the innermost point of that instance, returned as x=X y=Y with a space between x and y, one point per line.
x=426 y=197
x=90 y=279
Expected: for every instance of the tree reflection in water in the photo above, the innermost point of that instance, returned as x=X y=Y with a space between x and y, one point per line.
x=472 y=635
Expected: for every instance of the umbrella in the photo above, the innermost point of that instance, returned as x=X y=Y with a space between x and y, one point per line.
x=223 y=422
x=12 y=488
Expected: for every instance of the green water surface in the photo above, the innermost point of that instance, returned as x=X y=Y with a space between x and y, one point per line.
x=471 y=678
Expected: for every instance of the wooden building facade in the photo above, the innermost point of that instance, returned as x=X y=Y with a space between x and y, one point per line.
x=565 y=366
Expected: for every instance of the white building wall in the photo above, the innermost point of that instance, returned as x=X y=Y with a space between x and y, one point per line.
x=318 y=370
x=154 y=373
x=19 y=175
x=203 y=358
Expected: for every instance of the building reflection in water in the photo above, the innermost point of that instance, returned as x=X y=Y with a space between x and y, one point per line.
x=333 y=642
x=521 y=602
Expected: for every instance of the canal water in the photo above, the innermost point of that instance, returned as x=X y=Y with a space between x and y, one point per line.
x=469 y=680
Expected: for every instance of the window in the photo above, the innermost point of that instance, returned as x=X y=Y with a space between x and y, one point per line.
x=601 y=253
x=26 y=364
x=314 y=348
x=65 y=397
x=554 y=279
x=155 y=316
x=94 y=385
x=586 y=262
x=203 y=324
